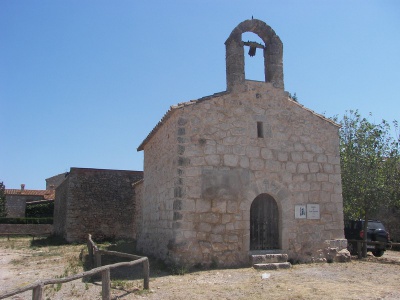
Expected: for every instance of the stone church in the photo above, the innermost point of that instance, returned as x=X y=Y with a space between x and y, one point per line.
x=241 y=171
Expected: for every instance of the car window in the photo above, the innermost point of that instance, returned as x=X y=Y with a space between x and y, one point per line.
x=375 y=225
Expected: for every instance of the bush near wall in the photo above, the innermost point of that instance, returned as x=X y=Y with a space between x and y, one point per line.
x=26 y=220
x=43 y=210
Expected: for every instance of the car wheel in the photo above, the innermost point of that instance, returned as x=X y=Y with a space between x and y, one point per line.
x=378 y=253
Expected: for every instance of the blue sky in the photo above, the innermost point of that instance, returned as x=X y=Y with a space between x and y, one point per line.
x=82 y=83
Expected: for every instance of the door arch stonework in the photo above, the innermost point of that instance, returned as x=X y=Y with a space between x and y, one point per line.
x=283 y=200
x=264 y=223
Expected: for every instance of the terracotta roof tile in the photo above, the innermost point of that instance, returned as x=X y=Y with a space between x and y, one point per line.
x=47 y=194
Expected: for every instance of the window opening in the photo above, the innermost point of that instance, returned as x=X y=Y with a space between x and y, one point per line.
x=260 y=131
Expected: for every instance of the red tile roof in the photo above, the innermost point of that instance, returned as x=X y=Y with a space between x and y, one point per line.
x=47 y=194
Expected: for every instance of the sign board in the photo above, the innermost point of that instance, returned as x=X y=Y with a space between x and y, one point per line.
x=300 y=212
x=313 y=211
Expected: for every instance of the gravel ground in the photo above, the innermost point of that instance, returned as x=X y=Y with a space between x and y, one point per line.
x=370 y=278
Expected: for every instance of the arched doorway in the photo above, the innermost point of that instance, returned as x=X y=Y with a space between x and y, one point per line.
x=264 y=223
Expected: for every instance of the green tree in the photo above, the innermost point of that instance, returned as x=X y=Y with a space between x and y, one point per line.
x=3 y=209
x=370 y=167
x=392 y=168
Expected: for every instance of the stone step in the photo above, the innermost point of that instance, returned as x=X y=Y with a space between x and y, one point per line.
x=268 y=258
x=272 y=266
x=267 y=251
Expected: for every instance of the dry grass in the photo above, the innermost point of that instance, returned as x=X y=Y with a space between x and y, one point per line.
x=371 y=278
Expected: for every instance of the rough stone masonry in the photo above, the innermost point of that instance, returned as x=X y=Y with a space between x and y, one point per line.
x=243 y=170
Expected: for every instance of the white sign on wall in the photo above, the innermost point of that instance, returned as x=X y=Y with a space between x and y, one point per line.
x=313 y=211
x=300 y=212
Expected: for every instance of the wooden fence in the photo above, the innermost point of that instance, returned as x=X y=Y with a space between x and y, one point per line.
x=94 y=252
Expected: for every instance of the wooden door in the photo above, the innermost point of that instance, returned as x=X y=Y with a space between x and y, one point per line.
x=264 y=223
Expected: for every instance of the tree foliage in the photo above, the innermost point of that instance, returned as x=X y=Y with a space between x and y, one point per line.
x=370 y=163
x=3 y=208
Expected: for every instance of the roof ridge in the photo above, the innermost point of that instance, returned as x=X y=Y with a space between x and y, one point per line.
x=171 y=109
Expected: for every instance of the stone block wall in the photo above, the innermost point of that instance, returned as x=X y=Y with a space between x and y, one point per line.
x=16 y=204
x=99 y=202
x=60 y=208
x=33 y=229
x=53 y=182
x=161 y=188
x=138 y=201
x=225 y=151
x=272 y=52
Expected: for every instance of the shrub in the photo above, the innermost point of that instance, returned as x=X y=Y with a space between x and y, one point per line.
x=26 y=220
x=43 y=210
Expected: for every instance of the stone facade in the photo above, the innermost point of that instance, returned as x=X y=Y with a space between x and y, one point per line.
x=53 y=182
x=99 y=202
x=16 y=204
x=16 y=200
x=23 y=229
x=208 y=160
x=272 y=52
x=60 y=208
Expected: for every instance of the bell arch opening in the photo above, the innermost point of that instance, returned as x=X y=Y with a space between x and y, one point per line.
x=254 y=46
x=264 y=223
x=271 y=47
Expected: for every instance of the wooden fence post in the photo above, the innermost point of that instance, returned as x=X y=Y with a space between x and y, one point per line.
x=90 y=251
x=38 y=287
x=105 y=284
x=146 y=274
x=37 y=292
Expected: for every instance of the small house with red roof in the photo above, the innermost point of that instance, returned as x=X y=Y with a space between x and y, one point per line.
x=17 y=199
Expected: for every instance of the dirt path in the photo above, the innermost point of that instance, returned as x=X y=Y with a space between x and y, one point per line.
x=372 y=278
x=355 y=280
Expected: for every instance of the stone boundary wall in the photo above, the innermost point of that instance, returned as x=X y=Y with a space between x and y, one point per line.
x=33 y=229
x=60 y=208
x=138 y=201
x=96 y=201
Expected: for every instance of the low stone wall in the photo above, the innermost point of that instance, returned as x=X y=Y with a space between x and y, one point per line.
x=32 y=229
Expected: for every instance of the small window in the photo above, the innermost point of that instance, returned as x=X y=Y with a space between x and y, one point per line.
x=260 y=131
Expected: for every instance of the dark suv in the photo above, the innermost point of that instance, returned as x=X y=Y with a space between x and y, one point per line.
x=354 y=230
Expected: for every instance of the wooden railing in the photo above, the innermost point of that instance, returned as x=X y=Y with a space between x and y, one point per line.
x=95 y=259
x=94 y=252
